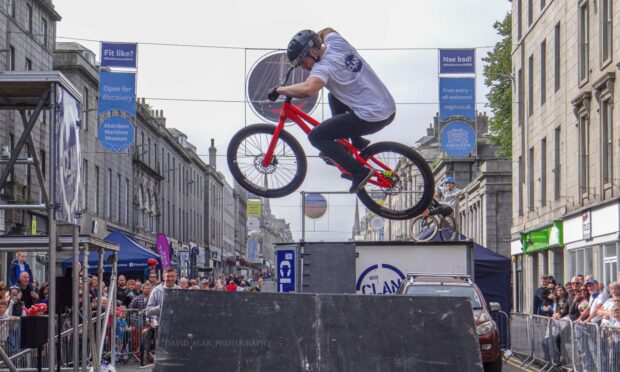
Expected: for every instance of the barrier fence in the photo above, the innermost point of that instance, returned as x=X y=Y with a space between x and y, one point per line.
x=561 y=343
x=127 y=347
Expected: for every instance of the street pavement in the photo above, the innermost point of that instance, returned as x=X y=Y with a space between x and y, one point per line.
x=133 y=367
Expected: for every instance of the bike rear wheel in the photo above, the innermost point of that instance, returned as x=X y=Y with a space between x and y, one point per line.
x=246 y=152
x=447 y=229
x=412 y=184
x=423 y=229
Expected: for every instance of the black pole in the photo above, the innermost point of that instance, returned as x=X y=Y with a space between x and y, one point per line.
x=39 y=357
x=58 y=343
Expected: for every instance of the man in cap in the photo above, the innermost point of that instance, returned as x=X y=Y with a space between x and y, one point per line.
x=597 y=299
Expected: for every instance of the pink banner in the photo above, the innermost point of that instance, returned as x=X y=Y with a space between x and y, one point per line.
x=163 y=248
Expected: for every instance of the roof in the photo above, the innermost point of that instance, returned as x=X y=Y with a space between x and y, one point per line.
x=24 y=89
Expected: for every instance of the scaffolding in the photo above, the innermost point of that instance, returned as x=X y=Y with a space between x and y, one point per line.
x=31 y=93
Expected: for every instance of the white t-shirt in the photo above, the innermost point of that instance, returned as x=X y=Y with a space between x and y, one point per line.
x=351 y=80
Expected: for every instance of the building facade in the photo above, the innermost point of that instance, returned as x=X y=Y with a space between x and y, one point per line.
x=566 y=158
x=481 y=212
x=28 y=30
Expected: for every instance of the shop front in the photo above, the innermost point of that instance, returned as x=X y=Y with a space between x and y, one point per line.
x=592 y=244
x=537 y=252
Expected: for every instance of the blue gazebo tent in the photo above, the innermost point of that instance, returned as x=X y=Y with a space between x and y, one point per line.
x=131 y=257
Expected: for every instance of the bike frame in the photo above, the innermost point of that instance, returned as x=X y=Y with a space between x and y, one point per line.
x=304 y=121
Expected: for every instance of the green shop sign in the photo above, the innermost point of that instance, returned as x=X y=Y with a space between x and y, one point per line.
x=545 y=238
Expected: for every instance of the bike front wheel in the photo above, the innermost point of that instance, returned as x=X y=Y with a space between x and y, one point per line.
x=423 y=229
x=411 y=183
x=447 y=229
x=281 y=177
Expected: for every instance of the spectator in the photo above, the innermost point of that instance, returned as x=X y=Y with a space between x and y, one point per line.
x=121 y=335
x=605 y=310
x=539 y=294
x=184 y=283
x=139 y=303
x=29 y=294
x=153 y=307
x=131 y=292
x=151 y=268
x=153 y=279
x=560 y=304
x=573 y=305
x=195 y=287
x=4 y=293
x=614 y=321
x=44 y=293
x=231 y=286
x=193 y=283
x=597 y=299
x=122 y=290
x=204 y=284
x=15 y=302
x=18 y=266
x=93 y=286
x=5 y=310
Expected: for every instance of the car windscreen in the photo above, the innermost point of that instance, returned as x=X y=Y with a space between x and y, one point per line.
x=446 y=291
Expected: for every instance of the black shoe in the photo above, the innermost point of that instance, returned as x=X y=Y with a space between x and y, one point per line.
x=346 y=176
x=360 y=142
x=359 y=180
x=327 y=159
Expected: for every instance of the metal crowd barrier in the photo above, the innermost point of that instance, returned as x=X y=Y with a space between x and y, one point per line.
x=561 y=343
x=501 y=320
x=610 y=349
x=128 y=336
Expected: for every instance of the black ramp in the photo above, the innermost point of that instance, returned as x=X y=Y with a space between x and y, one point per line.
x=231 y=331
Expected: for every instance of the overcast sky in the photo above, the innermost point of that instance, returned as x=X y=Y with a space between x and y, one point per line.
x=218 y=74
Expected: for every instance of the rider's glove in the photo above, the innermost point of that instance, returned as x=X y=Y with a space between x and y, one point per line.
x=273 y=94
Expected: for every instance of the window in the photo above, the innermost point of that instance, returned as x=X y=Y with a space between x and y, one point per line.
x=127 y=201
x=556 y=57
x=530 y=181
x=108 y=204
x=118 y=197
x=543 y=72
x=521 y=97
x=530 y=12
x=583 y=42
x=610 y=263
x=11 y=58
x=148 y=152
x=580 y=261
x=43 y=165
x=28 y=65
x=606 y=31
x=97 y=190
x=44 y=32
x=519 y=19
x=607 y=139
x=530 y=86
x=29 y=17
x=584 y=154
x=520 y=182
x=86 y=109
x=542 y=4
x=543 y=172
x=11 y=7
x=557 y=170
x=85 y=182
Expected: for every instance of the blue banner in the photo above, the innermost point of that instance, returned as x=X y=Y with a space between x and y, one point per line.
x=117 y=91
x=116 y=133
x=285 y=260
x=457 y=61
x=457 y=97
x=458 y=139
x=124 y=55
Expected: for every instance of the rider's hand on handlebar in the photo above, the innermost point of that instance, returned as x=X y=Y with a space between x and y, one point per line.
x=273 y=94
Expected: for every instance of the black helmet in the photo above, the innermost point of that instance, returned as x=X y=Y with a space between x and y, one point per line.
x=300 y=45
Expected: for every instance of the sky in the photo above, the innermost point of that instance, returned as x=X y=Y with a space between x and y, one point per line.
x=199 y=82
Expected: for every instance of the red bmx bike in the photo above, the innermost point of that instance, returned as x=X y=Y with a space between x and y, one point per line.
x=269 y=162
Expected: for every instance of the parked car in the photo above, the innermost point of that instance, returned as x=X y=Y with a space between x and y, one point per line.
x=425 y=285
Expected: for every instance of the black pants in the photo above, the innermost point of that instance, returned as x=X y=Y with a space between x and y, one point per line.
x=438 y=208
x=343 y=124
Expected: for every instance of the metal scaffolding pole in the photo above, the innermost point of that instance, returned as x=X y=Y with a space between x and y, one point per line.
x=113 y=305
x=75 y=301
x=85 y=311
x=51 y=218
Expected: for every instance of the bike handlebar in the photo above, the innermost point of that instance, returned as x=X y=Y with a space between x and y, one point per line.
x=273 y=95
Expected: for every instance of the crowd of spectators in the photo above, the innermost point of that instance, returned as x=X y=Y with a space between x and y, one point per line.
x=582 y=300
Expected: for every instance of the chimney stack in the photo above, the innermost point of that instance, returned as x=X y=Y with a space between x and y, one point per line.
x=212 y=154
